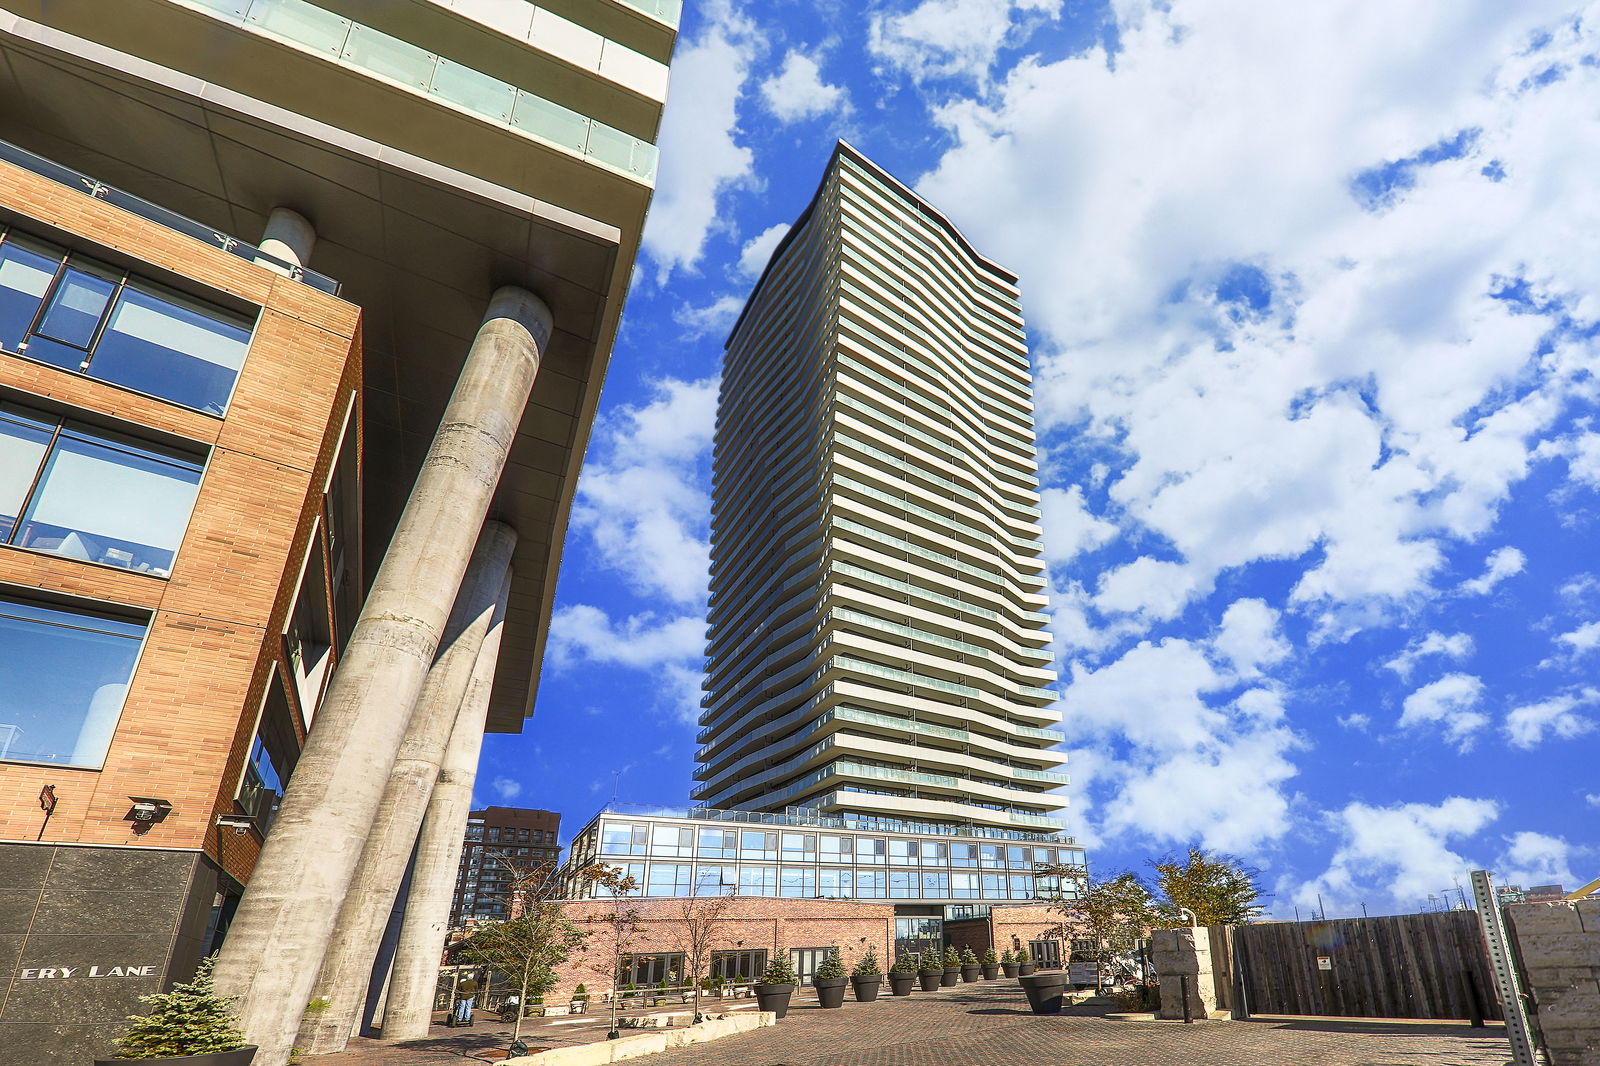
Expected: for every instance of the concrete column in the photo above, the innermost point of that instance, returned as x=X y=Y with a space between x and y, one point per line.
x=1179 y=954
x=412 y=980
x=347 y=966
x=275 y=947
x=289 y=237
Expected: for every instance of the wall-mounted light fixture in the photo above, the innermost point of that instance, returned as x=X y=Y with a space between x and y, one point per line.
x=147 y=812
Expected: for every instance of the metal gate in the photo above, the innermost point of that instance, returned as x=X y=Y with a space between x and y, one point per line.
x=1409 y=966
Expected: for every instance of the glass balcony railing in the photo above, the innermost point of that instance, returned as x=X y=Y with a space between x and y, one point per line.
x=668 y=11
x=322 y=32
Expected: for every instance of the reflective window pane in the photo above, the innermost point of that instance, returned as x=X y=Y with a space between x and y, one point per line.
x=76 y=307
x=106 y=500
x=758 y=881
x=168 y=346
x=25 y=276
x=63 y=676
x=23 y=442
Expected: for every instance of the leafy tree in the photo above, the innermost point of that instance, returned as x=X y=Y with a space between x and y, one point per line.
x=525 y=950
x=1114 y=913
x=190 y=1020
x=1219 y=889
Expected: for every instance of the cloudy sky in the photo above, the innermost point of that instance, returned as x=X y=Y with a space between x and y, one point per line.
x=1312 y=294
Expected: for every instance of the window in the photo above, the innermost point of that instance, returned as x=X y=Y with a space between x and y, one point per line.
x=622 y=838
x=798 y=882
x=964 y=855
x=903 y=885
x=933 y=852
x=668 y=879
x=963 y=886
x=631 y=870
x=756 y=844
x=88 y=494
x=994 y=886
x=738 y=965
x=991 y=856
x=719 y=844
x=870 y=850
x=903 y=853
x=835 y=883
x=869 y=884
x=758 y=881
x=646 y=971
x=73 y=313
x=672 y=842
x=1021 y=886
x=715 y=880
x=1019 y=857
x=935 y=884
x=63 y=676
x=838 y=849
x=799 y=847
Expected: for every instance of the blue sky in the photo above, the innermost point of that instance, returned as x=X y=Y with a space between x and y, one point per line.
x=1312 y=294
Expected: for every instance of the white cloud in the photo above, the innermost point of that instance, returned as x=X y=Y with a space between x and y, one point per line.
x=1582 y=640
x=1402 y=850
x=753 y=259
x=1538 y=859
x=671 y=650
x=701 y=158
x=1248 y=637
x=1501 y=564
x=1592 y=799
x=1526 y=726
x=1257 y=334
x=1153 y=589
x=954 y=38
x=716 y=317
x=1457 y=646
x=506 y=788
x=1181 y=764
x=798 y=92
x=1451 y=702
x=1354 y=720
x=640 y=496
x=1069 y=527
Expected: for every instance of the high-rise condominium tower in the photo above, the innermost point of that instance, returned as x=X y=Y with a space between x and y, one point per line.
x=876 y=647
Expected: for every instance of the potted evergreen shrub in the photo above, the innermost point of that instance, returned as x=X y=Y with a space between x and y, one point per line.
x=867 y=978
x=190 y=1025
x=970 y=969
x=1008 y=964
x=930 y=971
x=829 y=981
x=991 y=965
x=1025 y=963
x=951 y=968
x=903 y=975
x=776 y=985
x=580 y=1000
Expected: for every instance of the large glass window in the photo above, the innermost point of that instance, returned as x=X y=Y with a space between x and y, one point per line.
x=964 y=855
x=869 y=884
x=994 y=886
x=991 y=856
x=671 y=841
x=870 y=850
x=935 y=884
x=1019 y=857
x=88 y=494
x=758 y=844
x=82 y=316
x=622 y=838
x=798 y=882
x=903 y=853
x=835 y=883
x=963 y=886
x=758 y=881
x=632 y=871
x=903 y=885
x=838 y=849
x=933 y=852
x=668 y=879
x=715 y=880
x=799 y=847
x=719 y=844
x=63 y=676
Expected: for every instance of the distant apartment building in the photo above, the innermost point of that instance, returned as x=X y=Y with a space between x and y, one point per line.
x=876 y=629
x=250 y=252
x=503 y=847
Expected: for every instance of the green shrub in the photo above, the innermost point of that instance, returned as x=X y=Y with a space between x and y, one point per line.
x=1006 y=959
x=190 y=1020
x=779 y=972
x=580 y=994
x=951 y=957
x=968 y=957
x=931 y=962
x=831 y=967
x=868 y=966
x=990 y=958
x=1023 y=956
x=905 y=964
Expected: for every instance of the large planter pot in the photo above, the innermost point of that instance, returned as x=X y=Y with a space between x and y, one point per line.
x=241 y=1057
x=970 y=974
x=1009 y=968
x=951 y=976
x=866 y=987
x=1044 y=991
x=830 y=990
x=991 y=970
x=1025 y=968
x=931 y=979
x=901 y=984
x=774 y=998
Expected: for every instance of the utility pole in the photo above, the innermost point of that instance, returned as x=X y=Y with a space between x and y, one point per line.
x=1363 y=908
x=1322 y=911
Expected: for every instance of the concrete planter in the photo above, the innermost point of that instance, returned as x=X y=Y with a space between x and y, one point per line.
x=1025 y=968
x=774 y=998
x=867 y=986
x=969 y=974
x=901 y=984
x=991 y=970
x=241 y=1057
x=830 y=991
x=951 y=977
x=1009 y=969
x=1044 y=991
x=931 y=979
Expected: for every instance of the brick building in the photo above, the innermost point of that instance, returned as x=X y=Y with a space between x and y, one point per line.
x=501 y=842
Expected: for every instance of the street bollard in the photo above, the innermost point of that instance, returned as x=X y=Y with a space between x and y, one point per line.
x=1183 y=985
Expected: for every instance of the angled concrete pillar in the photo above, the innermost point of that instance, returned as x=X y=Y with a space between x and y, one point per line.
x=275 y=946
x=347 y=966
x=412 y=981
x=289 y=237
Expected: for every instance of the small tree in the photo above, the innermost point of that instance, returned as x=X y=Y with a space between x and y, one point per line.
x=932 y=962
x=1114 y=914
x=619 y=929
x=698 y=930
x=990 y=958
x=1219 y=889
x=525 y=950
x=868 y=966
x=952 y=958
x=190 y=1020
x=905 y=964
x=968 y=956
x=832 y=966
x=779 y=972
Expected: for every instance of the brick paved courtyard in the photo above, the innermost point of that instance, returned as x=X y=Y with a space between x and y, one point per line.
x=989 y=1025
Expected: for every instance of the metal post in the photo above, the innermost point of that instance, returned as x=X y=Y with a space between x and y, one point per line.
x=1505 y=975
x=1183 y=984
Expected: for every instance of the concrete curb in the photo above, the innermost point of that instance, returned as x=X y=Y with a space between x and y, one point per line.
x=631 y=1047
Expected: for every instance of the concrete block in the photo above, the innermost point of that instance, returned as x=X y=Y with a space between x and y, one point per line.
x=1577 y=1008
x=1559 y=949
x=1589 y=914
x=1558 y=977
x=1576 y=1048
x=1543 y=918
x=1202 y=997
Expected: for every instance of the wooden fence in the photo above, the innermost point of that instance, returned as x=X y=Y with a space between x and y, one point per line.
x=1409 y=966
